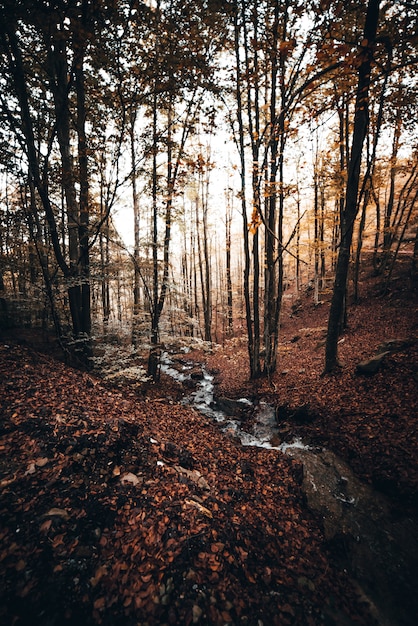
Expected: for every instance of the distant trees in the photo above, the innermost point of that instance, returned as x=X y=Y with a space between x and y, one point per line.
x=45 y=101
x=108 y=107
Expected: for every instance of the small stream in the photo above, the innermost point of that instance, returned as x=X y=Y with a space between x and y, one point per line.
x=367 y=533
x=264 y=429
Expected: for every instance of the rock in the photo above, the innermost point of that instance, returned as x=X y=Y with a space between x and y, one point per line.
x=371 y=366
x=196 y=374
x=189 y=383
x=395 y=345
x=236 y=408
x=299 y=415
x=363 y=534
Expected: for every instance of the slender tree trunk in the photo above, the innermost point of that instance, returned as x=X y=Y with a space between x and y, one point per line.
x=376 y=259
x=298 y=272
x=168 y=209
x=83 y=229
x=229 y=300
x=359 y=248
x=136 y=216
x=253 y=349
x=387 y=235
x=155 y=352
x=316 y=232
x=414 y=265
x=322 y=238
x=400 y=238
x=351 y=205
x=275 y=193
x=208 y=274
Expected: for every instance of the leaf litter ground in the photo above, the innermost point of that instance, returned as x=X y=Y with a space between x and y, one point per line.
x=121 y=506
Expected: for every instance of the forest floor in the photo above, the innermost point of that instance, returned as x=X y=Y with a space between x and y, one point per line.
x=122 y=506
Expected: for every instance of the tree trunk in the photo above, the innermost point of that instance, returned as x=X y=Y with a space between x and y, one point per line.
x=83 y=229
x=359 y=248
x=229 y=316
x=253 y=344
x=351 y=204
x=316 y=231
x=58 y=68
x=414 y=267
x=135 y=204
x=387 y=233
x=275 y=192
x=153 y=362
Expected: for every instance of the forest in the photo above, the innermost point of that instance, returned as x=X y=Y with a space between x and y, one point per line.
x=208 y=312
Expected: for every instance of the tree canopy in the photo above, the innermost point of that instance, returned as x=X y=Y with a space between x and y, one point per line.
x=170 y=109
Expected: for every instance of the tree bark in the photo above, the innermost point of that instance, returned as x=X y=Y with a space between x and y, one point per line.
x=351 y=203
x=252 y=328
x=58 y=77
x=84 y=207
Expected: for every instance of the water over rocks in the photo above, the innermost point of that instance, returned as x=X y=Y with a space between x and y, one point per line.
x=368 y=534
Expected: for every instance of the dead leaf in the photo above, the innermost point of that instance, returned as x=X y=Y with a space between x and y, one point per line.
x=31 y=469
x=54 y=512
x=58 y=541
x=7 y=481
x=100 y=572
x=199 y=507
x=131 y=479
x=193 y=475
x=217 y=547
x=99 y=603
x=46 y=525
x=41 y=462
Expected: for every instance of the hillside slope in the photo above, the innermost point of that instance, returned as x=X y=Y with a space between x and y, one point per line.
x=123 y=506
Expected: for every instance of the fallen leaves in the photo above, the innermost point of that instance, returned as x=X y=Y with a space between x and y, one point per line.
x=202 y=509
x=193 y=475
x=129 y=478
x=5 y=482
x=128 y=496
x=122 y=510
x=55 y=512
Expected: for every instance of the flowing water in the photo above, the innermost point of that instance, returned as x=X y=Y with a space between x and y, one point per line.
x=264 y=429
x=370 y=536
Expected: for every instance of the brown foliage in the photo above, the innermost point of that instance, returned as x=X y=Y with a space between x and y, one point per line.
x=117 y=508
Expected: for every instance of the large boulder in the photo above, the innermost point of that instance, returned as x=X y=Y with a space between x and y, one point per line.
x=376 y=547
x=371 y=366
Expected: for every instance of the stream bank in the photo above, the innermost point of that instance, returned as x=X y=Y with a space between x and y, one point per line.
x=366 y=532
